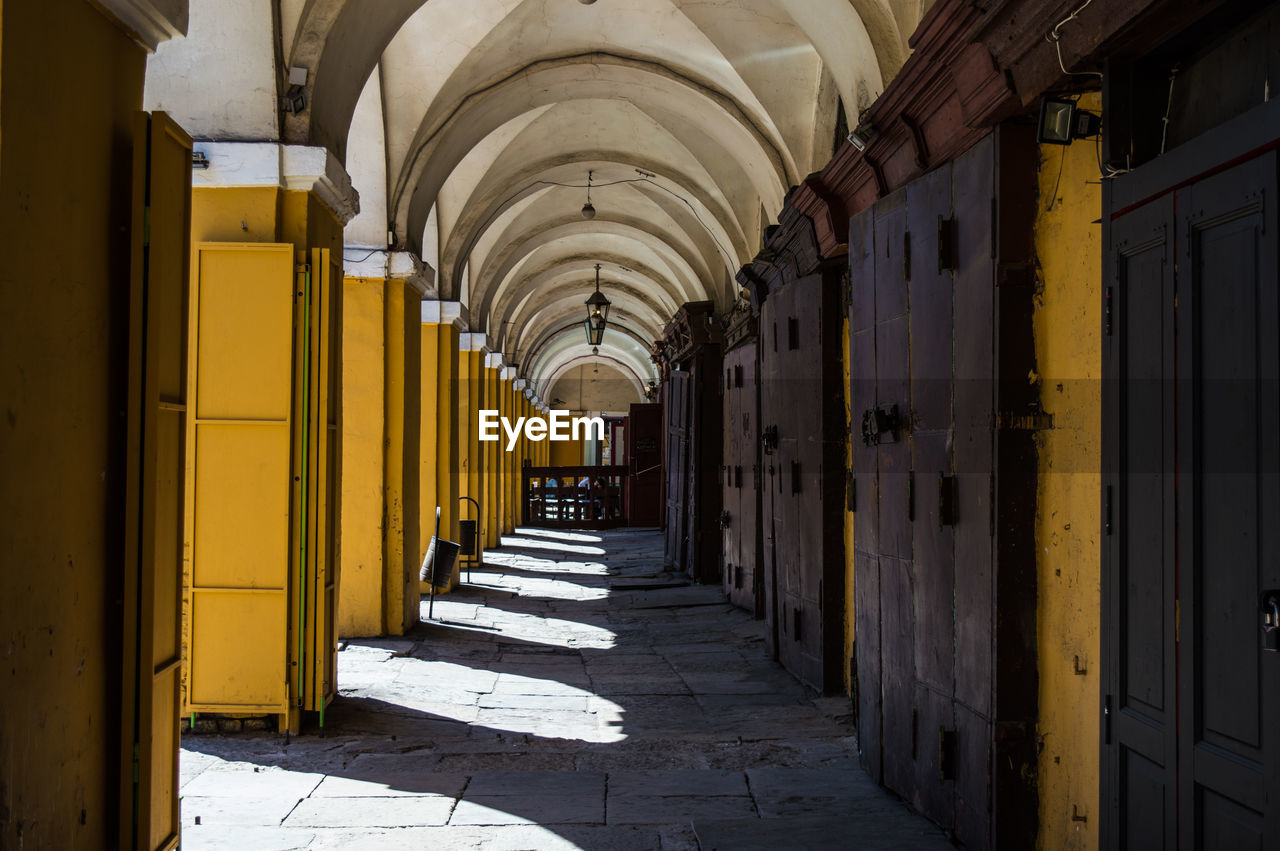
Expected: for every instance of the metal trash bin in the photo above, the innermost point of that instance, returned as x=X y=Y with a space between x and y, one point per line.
x=440 y=566
x=467 y=531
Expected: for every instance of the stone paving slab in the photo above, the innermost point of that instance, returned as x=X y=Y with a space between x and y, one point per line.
x=414 y=811
x=543 y=809
x=369 y=782
x=677 y=782
x=238 y=810
x=673 y=809
x=240 y=780
x=233 y=838
x=508 y=783
x=819 y=833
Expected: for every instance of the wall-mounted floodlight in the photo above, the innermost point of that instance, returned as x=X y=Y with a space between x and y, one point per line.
x=1061 y=122
x=861 y=135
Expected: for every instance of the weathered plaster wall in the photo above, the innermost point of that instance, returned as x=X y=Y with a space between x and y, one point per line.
x=1068 y=352
x=219 y=82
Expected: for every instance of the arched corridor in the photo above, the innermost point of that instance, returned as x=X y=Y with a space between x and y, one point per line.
x=571 y=695
x=639 y=423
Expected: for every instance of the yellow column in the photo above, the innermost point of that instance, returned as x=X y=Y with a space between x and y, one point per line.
x=1068 y=328
x=402 y=404
x=381 y=426
x=428 y=461
x=508 y=458
x=440 y=427
x=471 y=387
x=491 y=470
x=363 y=385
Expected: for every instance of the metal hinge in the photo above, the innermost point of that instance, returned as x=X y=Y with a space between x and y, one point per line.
x=906 y=255
x=1106 y=720
x=948 y=244
x=911 y=496
x=1106 y=310
x=946 y=754
x=1106 y=510
x=947 y=500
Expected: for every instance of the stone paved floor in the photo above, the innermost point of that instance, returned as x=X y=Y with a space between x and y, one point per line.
x=563 y=699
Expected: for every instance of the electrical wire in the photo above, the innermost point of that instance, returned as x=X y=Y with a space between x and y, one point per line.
x=1054 y=36
x=362 y=259
x=1053 y=199
x=1168 y=110
x=502 y=207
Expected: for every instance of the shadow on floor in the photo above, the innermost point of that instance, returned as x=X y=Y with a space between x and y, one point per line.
x=556 y=709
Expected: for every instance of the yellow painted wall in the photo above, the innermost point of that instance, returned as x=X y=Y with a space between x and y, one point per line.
x=361 y=578
x=1068 y=353
x=64 y=298
x=567 y=453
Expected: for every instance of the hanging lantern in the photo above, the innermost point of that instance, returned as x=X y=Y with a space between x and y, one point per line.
x=597 y=314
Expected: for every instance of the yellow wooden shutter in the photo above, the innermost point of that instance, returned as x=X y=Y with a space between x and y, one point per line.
x=156 y=436
x=239 y=486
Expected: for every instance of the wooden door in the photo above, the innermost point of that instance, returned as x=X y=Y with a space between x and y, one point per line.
x=1192 y=549
x=702 y=492
x=677 y=411
x=644 y=460
x=740 y=521
x=933 y=663
x=802 y=403
x=152 y=592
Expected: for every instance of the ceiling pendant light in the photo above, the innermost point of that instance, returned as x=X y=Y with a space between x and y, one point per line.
x=588 y=211
x=597 y=314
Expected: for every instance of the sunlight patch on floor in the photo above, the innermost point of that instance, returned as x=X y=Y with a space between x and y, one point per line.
x=560 y=535
x=554 y=546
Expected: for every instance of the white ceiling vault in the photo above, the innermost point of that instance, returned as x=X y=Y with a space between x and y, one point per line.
x=469 y=128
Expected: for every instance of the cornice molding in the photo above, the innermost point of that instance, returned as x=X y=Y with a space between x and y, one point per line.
x=294 y=167
x=470 y=342
x=148 y=22
x=453 y=313
x=316 y=170
x=392 y=266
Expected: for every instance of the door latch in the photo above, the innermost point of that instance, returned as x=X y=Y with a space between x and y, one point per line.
x=1271 y=621
x=770 y=439
x=877 y=422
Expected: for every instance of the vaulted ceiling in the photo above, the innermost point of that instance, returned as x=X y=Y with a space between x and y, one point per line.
x=471 y=129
